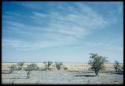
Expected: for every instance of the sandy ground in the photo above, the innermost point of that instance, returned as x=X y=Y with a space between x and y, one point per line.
x=60 y=77
x=76 y=74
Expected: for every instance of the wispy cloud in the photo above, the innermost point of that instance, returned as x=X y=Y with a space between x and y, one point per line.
x=56 y=27
x=61 y=29
x=26 y=46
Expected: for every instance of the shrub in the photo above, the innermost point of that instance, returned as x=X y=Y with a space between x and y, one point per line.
x=13 y=67
x=117 y=67
x=58 y=65
x=65 y=68
x=20 y=65
x=47 y=65
x=10 y=70
x=32 y=67
x=28 y=74
x=97 y=62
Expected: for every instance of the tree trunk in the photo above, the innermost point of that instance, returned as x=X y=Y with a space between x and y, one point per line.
x=96 y=73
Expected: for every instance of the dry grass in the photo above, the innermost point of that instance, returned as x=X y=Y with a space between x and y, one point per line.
x=71 y=67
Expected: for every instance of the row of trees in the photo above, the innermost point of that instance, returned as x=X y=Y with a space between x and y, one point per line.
x=30 y=67
x=57 y=65
x=97 y=63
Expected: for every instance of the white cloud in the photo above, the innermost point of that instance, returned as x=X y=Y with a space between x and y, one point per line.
x=38 y=14
x=15 y=24
x=26 y=46
x=61 y=27
x=32 y=5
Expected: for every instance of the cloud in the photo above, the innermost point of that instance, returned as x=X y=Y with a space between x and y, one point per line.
x=15 y=24
x=39 y=14
x=54 y=28
x=26 y=46
x=32 y=5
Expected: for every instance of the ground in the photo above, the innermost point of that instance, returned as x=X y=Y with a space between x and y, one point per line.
x=61 y=77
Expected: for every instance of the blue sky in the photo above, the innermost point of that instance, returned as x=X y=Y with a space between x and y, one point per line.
x=61 y=31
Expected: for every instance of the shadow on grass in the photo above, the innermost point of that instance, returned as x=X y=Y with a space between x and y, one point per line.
x=85 y=75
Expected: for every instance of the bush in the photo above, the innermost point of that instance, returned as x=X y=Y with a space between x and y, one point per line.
x=28 y=74
x=13 y=67
x=58 y=65
x=20 y=65
x=10 y=70
x=31 y=67
x=117 y=67
x=47 y=65
x=65 y=68
x=97 y=62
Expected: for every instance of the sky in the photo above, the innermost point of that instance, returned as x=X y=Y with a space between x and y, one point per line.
x=61 y=31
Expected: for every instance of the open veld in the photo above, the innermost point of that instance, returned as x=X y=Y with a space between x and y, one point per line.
x=75 y=74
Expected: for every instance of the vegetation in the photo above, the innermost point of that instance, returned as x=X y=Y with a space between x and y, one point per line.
x=65 y=68
x=29 y=68
x=117 y=67
x=58 y=65
x=28 y=74
x=12 y=68
x=97 y=62
x=20 y=65
x=47 y=65
x=32 y=67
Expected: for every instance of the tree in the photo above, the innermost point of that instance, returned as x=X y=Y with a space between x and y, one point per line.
x=29 y=68
x=97 y=62
x=12 y=68
x=65 y=68
x=20 y=65
x=32 y=67
x=28 y=74
x=58 y=65
x=47 y=65
x=117 y=67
